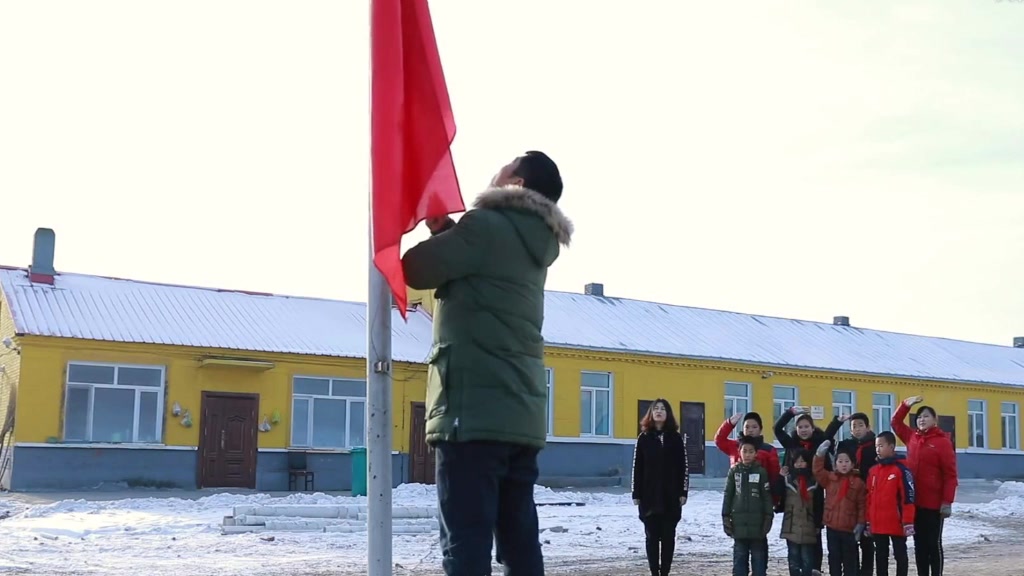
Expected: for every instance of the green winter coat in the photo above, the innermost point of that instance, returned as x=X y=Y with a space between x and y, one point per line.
x=748 y=502
x=486 y=378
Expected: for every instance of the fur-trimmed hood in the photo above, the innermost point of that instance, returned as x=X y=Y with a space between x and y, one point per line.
x=526 y=200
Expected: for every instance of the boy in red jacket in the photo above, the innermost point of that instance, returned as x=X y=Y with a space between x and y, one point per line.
x=767 y=456
x=890 y=506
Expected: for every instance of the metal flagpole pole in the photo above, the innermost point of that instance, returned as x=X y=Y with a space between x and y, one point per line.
x=378 y=398
x=378 y=423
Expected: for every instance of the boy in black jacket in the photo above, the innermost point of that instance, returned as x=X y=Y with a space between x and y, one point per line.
x=862 y=447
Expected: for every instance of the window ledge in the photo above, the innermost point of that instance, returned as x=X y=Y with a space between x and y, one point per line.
x=315 y=451
x=988 y=451
x=102 y=445
x=589 y=440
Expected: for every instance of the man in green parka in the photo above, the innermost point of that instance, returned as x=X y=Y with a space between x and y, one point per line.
x=486 y=385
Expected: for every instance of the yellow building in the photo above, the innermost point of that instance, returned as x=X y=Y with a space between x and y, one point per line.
x=608 y=358
x=107 y=380
x=114 y=381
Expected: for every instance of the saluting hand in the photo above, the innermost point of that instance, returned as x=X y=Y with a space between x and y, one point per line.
x=913 y=400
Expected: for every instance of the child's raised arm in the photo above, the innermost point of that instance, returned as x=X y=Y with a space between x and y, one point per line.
x=822 y=476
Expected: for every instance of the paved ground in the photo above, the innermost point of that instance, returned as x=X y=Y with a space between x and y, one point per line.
x=970 y=491
x=1002 y=556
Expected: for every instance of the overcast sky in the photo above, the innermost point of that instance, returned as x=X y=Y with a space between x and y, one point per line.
x=795 y=159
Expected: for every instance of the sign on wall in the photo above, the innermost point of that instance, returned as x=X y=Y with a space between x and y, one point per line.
x=818 y=412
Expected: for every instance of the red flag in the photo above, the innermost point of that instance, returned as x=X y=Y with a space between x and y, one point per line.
x=412 y=128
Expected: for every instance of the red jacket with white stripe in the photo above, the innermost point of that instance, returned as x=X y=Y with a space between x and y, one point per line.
x=931 y=459
x=890 y=502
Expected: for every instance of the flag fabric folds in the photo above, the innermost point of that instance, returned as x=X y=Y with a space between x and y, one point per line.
x=412 y=128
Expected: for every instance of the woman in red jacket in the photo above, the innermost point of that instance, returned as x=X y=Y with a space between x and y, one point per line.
x=931 y=458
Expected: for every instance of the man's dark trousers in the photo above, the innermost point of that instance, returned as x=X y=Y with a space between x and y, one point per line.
x=485 y=494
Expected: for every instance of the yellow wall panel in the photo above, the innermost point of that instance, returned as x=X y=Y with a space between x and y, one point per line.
x=646 y=378
x=45 y=360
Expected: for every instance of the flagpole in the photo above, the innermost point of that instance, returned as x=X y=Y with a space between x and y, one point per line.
x=378 y=423
x=378 y=402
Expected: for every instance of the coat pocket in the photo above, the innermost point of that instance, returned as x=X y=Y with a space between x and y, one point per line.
x=437 y=380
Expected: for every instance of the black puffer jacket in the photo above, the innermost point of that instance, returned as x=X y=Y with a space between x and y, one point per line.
x=794 y=444
x=660 y=473
x=862 y=450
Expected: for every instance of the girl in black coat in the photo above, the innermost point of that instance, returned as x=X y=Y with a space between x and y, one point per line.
x=661 y=482
x=807 y=437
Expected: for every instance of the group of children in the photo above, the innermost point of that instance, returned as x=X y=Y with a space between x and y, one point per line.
x=860 y=491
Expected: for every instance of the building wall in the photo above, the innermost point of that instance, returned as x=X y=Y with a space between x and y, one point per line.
x=40 y=412
x=44 y=368
x=574 y=464
x=638 y=378
x=10 y=362
x=568 y=460
x=169 y=467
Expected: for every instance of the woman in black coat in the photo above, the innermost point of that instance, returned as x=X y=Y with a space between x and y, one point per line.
x=661 y=481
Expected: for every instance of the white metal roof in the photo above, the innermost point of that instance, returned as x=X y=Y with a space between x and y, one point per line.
x=617 y=324
x=112 y=310
x=98 y=308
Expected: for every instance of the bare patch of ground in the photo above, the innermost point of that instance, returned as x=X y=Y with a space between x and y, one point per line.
x=1003 y=558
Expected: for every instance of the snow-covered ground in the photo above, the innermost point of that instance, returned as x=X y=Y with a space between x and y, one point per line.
x=177 y=536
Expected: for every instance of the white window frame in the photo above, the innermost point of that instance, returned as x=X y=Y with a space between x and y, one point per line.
x=730 y=402
x=1010 y=443
x=593 y=405
x=781 y=405
x=159 y=390
x=972 y=423
x=310 y=420
x=883 y=424
x=550 y=375
x=837 y=410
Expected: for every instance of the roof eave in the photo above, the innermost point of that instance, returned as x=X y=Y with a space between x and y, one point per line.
x=776 y=365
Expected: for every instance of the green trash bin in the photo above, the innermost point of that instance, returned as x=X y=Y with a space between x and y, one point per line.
x=358 y=471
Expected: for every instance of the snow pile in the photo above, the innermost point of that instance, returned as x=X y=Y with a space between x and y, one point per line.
x=174 y=536
x=1010 y=489
x=1009 y=503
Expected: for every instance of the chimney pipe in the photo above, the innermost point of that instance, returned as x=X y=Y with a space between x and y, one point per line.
x=41 y=270
x=1018 y=342
x=841 y=320
x=594 y=289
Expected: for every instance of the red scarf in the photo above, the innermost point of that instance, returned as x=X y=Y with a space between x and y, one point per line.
x=802 y=483
x=860 y=454
x=844 y=485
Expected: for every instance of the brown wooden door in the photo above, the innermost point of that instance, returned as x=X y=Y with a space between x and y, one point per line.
x=421 y=456
x=641 y=411
x=691 y=423
x=948 y=425
x=227 y=440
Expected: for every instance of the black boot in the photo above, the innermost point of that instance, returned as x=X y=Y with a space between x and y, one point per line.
x=652 y=556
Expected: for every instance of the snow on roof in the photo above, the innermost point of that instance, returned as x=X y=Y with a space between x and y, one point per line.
x=115 y=310
x=622 y=325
